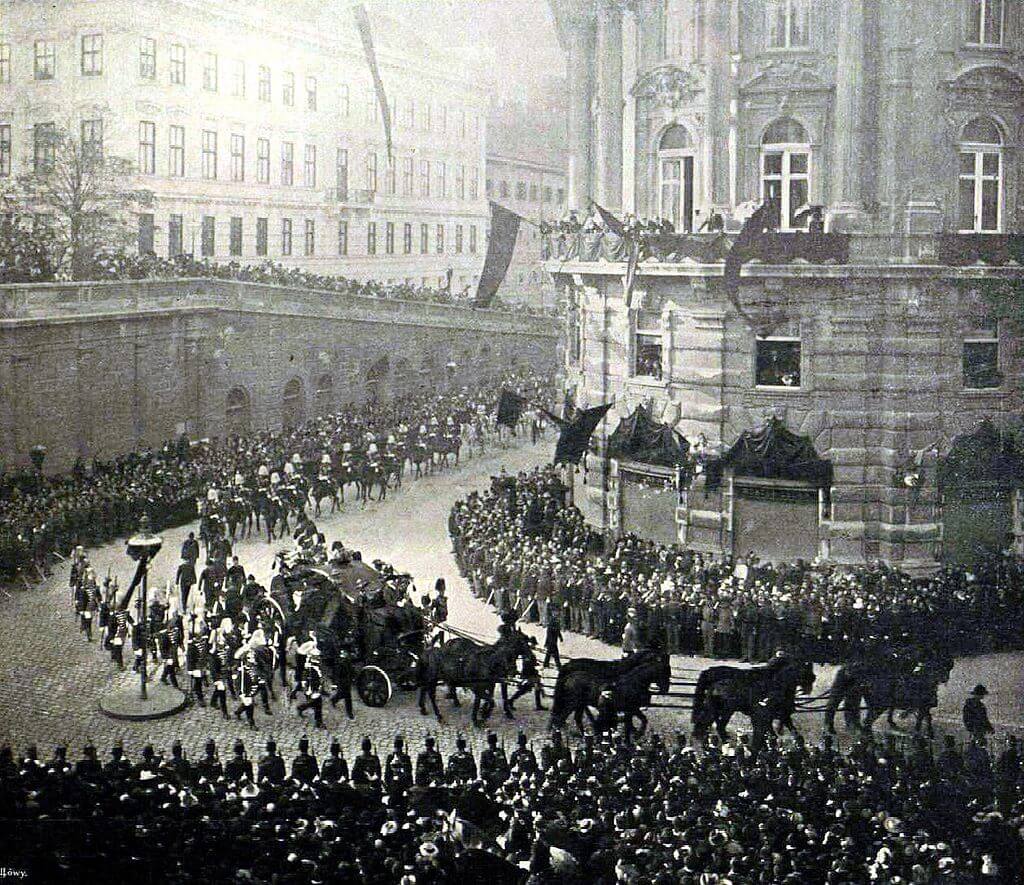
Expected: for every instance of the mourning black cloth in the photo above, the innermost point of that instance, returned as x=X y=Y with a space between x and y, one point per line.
x=640 y=438
x=575 y=436
x=366 y=36
x=510 y=408
x=610 y=221
x=984 y=457
x=500 y=246
x=772 y=452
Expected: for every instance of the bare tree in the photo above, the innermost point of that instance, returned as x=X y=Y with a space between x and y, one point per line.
x=86 y=201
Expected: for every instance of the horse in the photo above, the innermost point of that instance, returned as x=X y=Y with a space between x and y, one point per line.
x=271 y=509
x=462 y=663
x=236 y=513
x=631 y=692
x=372 y=474
x=324 y=489
x=762 y=693
x=344 y=474
x=448 y=444
x=882 y=686
x=581 y=681
x=422 y=459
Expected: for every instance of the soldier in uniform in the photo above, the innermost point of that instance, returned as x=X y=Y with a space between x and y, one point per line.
x=523 y=759
x=149 y=764
x=238 y=766
x=118 y=768
x=219 y=678
x=209 y=766
x=120 y=621
x=553 y=753
x=88 y=768
x=461 y=764
x=429 y=765
x=305 y=768
x=196 y=650
x=185 y=580
x=398 y=770
x=271 y=766
x=247 y=678
x=366 y=767
x=343 y=678
x=335 y=768
x=313 y=689
x=178 y=767
x=494 y=767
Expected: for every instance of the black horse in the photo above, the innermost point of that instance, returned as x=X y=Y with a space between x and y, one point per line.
x=883 y=685
x=462 y=663
x=581 y=681
x=629 y=694
x=765 y=694
x=324 y=490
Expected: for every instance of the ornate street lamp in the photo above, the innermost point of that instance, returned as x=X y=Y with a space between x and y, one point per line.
x=142 y=547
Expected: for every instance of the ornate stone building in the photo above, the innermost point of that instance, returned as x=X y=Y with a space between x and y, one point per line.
x=888 y=342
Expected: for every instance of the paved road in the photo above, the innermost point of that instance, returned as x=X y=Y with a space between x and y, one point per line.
x=51 y=679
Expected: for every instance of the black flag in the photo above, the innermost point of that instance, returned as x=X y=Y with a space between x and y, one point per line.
x=510 y=408
x=366 y=35
x=575 y=436
x=500 y=246
x=610 y=221
x=745 y=247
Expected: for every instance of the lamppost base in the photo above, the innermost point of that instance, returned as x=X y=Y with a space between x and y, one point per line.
x=123 y=699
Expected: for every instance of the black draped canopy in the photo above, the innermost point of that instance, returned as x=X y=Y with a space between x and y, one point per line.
x=772 y=452
x=640 y=438
x=985 y=456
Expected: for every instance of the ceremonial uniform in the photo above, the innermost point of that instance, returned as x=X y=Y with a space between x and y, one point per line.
x=429 y=766
x=343 y=682
x=398 y=770
x=238 y=766
x=247 y=687
x=304 y=766
x=335 y=768
x=313 y=689
x=523 y=759
x=271 y=765
x=209 y=767
x=494 y=767
x=366 y=767
x=461 y=764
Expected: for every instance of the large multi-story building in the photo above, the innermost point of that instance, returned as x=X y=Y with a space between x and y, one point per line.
x=256 y=127
x=856 y=394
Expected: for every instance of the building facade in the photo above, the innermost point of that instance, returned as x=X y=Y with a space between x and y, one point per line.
x=888 y=343
x=257 y=129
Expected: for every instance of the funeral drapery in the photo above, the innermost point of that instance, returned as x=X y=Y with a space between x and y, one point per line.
x=772 y=452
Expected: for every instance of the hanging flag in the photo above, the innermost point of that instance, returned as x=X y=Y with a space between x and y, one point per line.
x=510 y=408
x=366 y=35
x=632 y=270
x=575 y=436
x=610 y=221
x=500 y=246
x=763 y=220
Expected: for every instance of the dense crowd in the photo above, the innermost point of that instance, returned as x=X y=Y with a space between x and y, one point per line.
x=523 y=549
x=43 y=515
x=601 y=813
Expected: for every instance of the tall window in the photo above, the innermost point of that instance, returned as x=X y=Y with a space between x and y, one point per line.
x=147 y=58
x=371 y=238
x=341 y=170
x=472 y=239
x=209 y=154
x=5 y=150
x=235 y=243
x=985 y=22
x=146 y=231
x=46 y=60
x=647 y=346
x=210 y=71
x=5 y=62
x=424 y=239
x=344 y=100
x=787 y=24
x=288 y=89
x=262 y=236
x=310 y=237
x=407 y=176
x=286 y=236
x=786 y=169
x=424 y=178
x=407 y=238
x=92 y=142
x=981 y=177
x=371 y=171
x=238 y=78
x=474 y=183
x=309 y=166
x=777 y=362
x=287 y=163
x=520 y=190
x=460 y=181
x=389 y=238
x=981 y=359
x=177 y=64
x=263 y=83
x=440 y=239
x=175 y=235
x=342 y=238
x=208 y=243
x=238 y=158
x=92 y=55
x=389 y=176
x=675 y=170
x=458 y=239
x=311 y=93
x=176 y=158
x=147 y=147
x=263 y=160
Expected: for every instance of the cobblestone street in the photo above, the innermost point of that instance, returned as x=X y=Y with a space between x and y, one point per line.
x=51 y=679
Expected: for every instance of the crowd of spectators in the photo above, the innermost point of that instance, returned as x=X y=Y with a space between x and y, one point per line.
x=41 y=515
x=523 y=549
x=601 y=813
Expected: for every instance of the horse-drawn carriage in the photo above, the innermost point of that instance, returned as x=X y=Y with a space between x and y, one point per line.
x=350 y=609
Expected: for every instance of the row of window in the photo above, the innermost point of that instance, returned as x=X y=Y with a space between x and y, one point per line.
x=422 y=115
x=206 y=232
x=534 y=193
x=787 y=25
x=785 y=175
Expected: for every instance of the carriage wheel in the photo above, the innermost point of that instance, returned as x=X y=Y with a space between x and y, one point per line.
x=374 y=686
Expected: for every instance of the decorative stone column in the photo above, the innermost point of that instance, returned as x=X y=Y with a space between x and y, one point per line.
x=581 y=94
x=608 y=165
x=848 y=157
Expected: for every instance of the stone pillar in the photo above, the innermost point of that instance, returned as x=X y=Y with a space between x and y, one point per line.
x=848 y=157
x=608 y=162
x=581 y=93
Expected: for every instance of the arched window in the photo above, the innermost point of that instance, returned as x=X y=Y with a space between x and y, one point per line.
x=324 y=395
x=787 y=24
x=981 y=177
x=237 y=411
x=293 y=405
x=675 y=177
x=786 y=169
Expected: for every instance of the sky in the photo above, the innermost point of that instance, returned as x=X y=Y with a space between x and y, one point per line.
x=513 y=41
